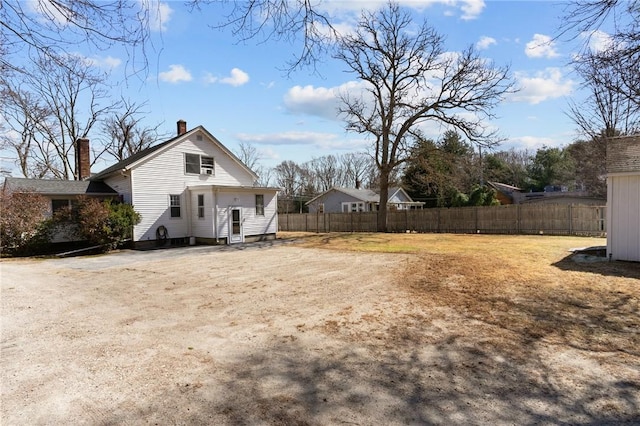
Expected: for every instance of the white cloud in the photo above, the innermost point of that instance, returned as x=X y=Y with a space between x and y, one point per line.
x=544 y=85
x=288 y=138
x=237 y=78
x=176 y=74
x=319 y=140
x=48 y=12
x=319 y=101
x=531 y=142
x=108 y=62
x=598 y=40
x=541 y=46
x=159 y=15
x=485 y=42
x=471 y=9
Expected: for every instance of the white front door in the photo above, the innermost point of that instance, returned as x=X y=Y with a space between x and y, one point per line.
x=235 y=225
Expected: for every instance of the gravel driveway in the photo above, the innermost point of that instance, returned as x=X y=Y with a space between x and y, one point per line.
x=270 y=334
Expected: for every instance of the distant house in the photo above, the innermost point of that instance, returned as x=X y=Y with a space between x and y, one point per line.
x=508 y=194
x=189 y=188
x=623 y=195
x=505 y=194
x=352 y=200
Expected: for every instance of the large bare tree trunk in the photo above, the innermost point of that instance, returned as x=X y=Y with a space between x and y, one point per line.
x=384 y=196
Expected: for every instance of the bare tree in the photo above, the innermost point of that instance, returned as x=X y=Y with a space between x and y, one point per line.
x=52 y=29
x=608 y=110
x=249 y=155
x=279 y=20
x=126 y=131
x=356 y=168
x=621 y=54
x=326 y=171
x=411 y=80
x=50 y=108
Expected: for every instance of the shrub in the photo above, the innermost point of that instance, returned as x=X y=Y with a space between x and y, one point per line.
x=105 y=223
x=24 y=227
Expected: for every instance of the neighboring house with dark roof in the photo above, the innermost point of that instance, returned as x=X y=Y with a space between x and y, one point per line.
x=508 y=194
x=352 y=200
x=623 y=195
x=189 y=188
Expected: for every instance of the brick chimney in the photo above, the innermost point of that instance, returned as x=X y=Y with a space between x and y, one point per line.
x=182 y=127
x=83 y=159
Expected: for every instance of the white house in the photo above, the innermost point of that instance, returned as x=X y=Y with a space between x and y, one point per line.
x=353 y=200
x=623 y=198
x=190 y=188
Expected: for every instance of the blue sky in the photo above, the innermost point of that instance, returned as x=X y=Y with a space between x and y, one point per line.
x=240 y=93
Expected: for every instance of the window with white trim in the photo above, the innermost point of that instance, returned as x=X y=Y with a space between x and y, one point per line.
x=354 y=207
x=197 y=164
x=259 y=204
x=200 y=206
x=174 y=205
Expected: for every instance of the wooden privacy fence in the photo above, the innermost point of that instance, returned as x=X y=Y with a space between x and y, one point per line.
x=554 y=219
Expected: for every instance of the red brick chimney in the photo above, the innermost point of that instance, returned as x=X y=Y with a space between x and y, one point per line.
x=83 y=159
x=182 y=127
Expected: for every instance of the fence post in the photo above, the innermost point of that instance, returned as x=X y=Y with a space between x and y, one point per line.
x=518 y=230
x=406 y=220
x=476 y=212
x=570 y=219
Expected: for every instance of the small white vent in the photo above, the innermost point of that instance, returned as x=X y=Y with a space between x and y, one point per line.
x=198 y=137
x=207 y=171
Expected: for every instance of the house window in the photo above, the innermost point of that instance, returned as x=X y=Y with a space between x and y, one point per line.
x=198 y=164
x=58 y=205
x=200 y=206
x=321 y=208
x=206 y=165
x=174 y=204
x=352 y=207
x=192 y=163
x=259 y=204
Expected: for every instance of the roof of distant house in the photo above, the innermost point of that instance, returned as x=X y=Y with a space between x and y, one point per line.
x=366 y=195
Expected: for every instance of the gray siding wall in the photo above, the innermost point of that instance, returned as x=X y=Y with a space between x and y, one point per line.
x=332 y=202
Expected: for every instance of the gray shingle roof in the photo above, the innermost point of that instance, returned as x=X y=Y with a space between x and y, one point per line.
x=58 y=187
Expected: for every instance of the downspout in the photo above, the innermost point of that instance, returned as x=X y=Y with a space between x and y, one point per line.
x=189 y=216
x=215 y=214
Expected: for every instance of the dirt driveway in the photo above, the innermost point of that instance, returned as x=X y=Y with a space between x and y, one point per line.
x=277 y=334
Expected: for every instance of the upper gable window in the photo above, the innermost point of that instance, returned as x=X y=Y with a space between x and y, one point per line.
x=198 y=164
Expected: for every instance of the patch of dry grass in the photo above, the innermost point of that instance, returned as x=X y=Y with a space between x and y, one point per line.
x=524 y=289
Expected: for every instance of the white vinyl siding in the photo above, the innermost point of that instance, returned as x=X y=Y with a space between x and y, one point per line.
x=155 y=178
x=122 y=185
x=163 y=174
x=623 y=217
